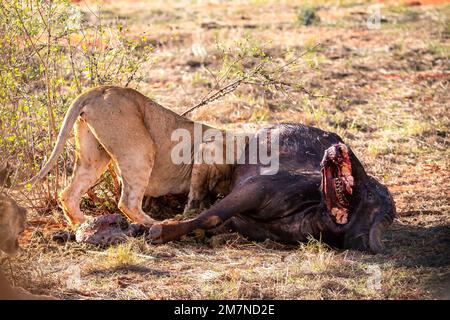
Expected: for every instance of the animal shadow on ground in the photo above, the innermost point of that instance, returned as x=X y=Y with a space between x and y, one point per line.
x=418 y=246
x=130 y=268
x=415 y=247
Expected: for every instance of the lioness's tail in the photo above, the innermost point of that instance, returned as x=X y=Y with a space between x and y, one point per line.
x=68 y=123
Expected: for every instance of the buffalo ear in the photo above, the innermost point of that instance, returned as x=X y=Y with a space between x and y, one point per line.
x=5 y=171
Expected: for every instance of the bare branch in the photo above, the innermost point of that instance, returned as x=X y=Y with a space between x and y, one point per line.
x=253 y=78
x=230 y=87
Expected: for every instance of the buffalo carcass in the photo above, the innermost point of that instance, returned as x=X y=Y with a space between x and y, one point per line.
x=320 y=190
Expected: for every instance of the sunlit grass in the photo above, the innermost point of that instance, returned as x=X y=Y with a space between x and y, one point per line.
x=120 y=255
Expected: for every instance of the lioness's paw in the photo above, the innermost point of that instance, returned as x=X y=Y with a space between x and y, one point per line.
x=76 y=222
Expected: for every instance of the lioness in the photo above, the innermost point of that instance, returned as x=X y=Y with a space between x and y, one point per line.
x=12 y=224
x=122 y=126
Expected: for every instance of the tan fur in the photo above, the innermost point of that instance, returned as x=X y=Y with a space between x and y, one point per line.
x=122 y=126
x=9 y=293
x=12 y=224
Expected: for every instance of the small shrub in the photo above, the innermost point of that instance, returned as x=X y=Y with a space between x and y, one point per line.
x=307 y=16
x=50 y=53
x=120 y=255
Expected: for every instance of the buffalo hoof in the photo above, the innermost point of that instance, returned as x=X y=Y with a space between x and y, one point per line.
x=165 y=231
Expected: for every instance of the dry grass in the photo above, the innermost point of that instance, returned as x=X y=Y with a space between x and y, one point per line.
x=386 y=94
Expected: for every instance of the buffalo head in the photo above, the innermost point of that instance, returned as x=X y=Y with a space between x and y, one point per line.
x=357 y=206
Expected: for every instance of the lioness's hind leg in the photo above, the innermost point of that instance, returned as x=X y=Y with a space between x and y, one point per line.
x=130 y=146
x=91 y=161
x=135 y=168
x=131 y=202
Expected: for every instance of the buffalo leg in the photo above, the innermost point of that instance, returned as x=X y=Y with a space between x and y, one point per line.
x=244 y=199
